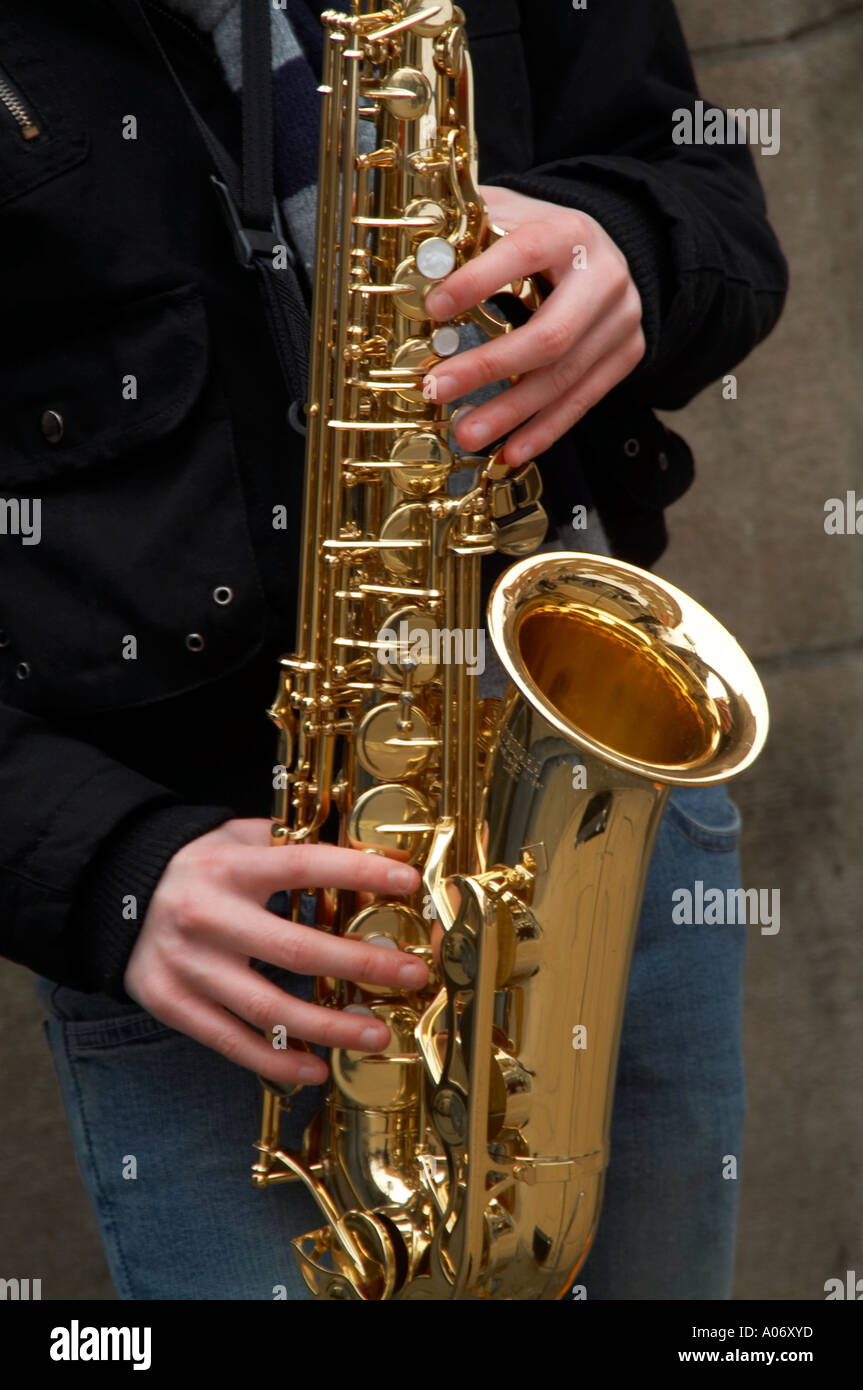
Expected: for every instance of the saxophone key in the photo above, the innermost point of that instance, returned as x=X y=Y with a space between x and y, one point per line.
x=391 y=818
x=435 y=258
x=407 y=94
x=405 y=541
x=393 y=926
x=430 y=19
x=384 y=1080
x=387 y=751
x=423 y=462
x=410 y=639
x=409 y=288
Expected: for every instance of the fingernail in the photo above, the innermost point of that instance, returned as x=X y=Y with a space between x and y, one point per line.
x=518 y=455
x=441 y=387
x=475 y=432
x=414 y=973
x=374 y=1036
x=309 y=1072
x=460 y=413
x=403 y=876
x=440 y=304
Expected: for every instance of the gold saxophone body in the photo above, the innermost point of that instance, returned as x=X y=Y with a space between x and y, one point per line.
x=467 y=1160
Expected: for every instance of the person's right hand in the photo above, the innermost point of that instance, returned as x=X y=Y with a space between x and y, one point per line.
x=207 y=918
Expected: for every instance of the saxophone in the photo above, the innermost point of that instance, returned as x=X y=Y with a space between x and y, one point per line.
x=467 y=1160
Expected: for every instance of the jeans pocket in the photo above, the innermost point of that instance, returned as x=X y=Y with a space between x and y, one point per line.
x=707 y=816
x=94 y=1021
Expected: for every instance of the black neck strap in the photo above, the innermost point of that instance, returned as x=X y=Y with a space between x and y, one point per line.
x=247 y=197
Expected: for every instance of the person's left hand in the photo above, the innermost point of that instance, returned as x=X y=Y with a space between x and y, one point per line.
x=584 y=339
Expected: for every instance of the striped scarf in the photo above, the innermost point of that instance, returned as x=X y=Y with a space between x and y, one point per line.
x=297 y=39
x=297 y=53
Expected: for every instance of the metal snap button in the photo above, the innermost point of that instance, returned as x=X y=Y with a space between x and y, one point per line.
x=223 y=595
x=52 y=425
x=195 y=642
x=632 y=448
x=22 y=670
x=295 y=419
x=663 y=462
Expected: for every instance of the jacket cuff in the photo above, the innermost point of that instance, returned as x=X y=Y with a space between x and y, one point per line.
x=639 y=232
x=114 y=892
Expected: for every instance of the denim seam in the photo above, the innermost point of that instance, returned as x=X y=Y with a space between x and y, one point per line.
x=105 y=1210
x=717 y=844
x=723 y=841
x=98 y=1036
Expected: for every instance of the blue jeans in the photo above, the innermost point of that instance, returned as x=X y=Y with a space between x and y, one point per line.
x=144 y=1099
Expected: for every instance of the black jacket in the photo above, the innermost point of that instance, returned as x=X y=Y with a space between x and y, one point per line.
x=126 y=313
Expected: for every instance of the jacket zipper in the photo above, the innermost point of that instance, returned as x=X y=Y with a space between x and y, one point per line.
x=17 y=110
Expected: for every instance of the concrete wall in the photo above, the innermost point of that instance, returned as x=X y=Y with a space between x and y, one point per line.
x=749 y=542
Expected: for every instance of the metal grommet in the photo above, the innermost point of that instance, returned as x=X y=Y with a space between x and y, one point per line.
x=195 y=642
x=52 y=425
x=294 y=418
x=22 y=670
x=663 y=462
x=222 y=595
x=632 y=448
x=5 y=639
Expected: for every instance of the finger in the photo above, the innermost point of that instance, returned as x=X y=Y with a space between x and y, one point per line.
x=553 y=422
x=577 y=307
x=210 y=1024
x=265 y=871
x=531 y=248
x=263 y=1004
x=499 y=417
x=251 y=931
x=541 y=341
